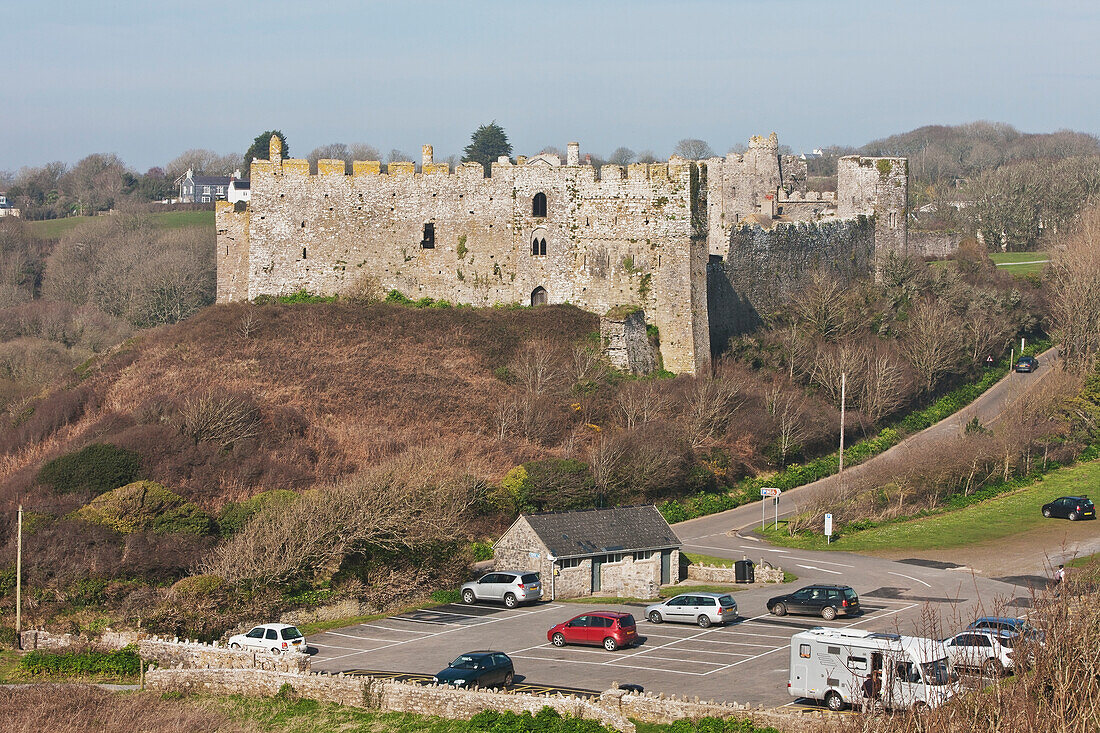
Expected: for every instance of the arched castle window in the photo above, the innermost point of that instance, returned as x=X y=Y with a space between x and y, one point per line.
x=538 y=204
x=538 y=296
x=538 y=246
x=893 y=220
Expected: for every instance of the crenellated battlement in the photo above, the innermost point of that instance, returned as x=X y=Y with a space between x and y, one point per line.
x=538 y=229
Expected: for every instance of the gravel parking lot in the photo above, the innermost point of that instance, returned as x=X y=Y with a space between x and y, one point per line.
x=741 y=662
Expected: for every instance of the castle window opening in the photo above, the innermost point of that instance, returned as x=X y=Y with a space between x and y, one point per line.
x=538 y=205
x=538 y=296
x=538 y=246
x=429 y=236
x=303 y=253
x=893 y=220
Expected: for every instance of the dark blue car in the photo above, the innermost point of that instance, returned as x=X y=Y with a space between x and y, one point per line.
x=479 y=669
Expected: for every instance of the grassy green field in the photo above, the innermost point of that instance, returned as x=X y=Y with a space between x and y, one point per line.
x=1021 y=263
x=996 y=518
x=55 y=228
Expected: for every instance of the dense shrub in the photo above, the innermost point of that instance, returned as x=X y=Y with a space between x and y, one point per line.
x=118 y=663
x=97 y=468
x=235 y=514
x=145 y=505
x=45 y=416
x=550 y=484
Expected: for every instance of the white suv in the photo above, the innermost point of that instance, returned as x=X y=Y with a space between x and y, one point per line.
x=991 y=651
x=274 y=638
x=511 y=586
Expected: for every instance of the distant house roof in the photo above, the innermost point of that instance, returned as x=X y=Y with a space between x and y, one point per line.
x=239 y=185
x=212 y=180
x=596 y=531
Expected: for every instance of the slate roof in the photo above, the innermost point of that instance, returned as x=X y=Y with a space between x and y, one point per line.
x=597 y=531
x=212 y=180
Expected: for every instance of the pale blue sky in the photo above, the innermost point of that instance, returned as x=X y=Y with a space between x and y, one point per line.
x=147 y=80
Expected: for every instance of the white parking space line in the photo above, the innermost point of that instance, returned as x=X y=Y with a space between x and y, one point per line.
x=401 y=631
x=447 y=613
x=421 y=635
x=334 y=646
x=665 y=659
x=910 y=577
x=820 y=570
x=604 y=664
x=822 y=562
x=365 y=638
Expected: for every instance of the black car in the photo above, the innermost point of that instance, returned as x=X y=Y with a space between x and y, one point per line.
x=1071 y=508
x=1026 y=364
x=479 y=669
x=826 y=600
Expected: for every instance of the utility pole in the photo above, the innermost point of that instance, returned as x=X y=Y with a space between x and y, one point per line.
x=19 y=574
x=843 y=386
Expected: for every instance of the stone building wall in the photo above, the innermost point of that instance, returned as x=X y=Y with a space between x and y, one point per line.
x=764 y=267
x=933 y=243
x=624 y=238
x=762 y=573
x=519 y=548
x=626 y=343
x=879 y=188
x=637 y=236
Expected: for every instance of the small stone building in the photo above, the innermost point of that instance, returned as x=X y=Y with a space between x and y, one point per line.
x=625 y=551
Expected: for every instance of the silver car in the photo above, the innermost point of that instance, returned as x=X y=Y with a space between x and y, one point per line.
x=991 y=651
x=695 y=608
x=511 y=586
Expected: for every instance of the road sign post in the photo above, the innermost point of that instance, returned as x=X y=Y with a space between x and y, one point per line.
x=828 y=529
x=766 y=493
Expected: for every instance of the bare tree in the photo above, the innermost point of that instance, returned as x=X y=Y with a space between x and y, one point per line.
x=589 y=369
x=789 y=420
x=846 y=358
x=709 y=409
x=364 y=151
x=538 y=366
x=1075 y=291
x=883 y=388
x=640 y=403
x=933 y=342
x=693 y=149
x=622 y=156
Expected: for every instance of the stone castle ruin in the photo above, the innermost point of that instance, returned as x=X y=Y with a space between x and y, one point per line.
x=703 y=248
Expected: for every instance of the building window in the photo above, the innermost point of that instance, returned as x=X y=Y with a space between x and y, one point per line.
x=614 y=557
x=206 y=199
x=303 y=253
x=643 y=554
x=538 y=296
x=572 y=562
x=538 y=246
x=538 y=205
x=206 y=189
x=429 y=236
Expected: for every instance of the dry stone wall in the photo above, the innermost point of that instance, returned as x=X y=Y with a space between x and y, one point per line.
x=720 y=574
x=384 y=695
x=196 y=655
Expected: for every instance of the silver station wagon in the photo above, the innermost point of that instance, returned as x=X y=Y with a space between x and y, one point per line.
x=695 y=608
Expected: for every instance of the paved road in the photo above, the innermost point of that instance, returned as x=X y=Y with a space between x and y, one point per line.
x=987 y=408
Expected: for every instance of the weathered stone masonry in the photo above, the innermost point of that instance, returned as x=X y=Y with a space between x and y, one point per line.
x=532 y=232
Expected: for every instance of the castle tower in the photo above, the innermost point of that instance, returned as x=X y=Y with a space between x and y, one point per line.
x=426 y=156
x=573 y=154
x=877 y=187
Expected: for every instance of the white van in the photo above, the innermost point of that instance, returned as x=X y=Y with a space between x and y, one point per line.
x=846 y=667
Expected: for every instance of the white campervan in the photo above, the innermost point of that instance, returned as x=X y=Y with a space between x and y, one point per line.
x=846 y=667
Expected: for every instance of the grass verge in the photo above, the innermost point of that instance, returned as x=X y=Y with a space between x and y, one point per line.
x=992 y=519
x=799 y=474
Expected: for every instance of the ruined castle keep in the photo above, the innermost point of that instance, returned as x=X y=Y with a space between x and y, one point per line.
x=688 y=242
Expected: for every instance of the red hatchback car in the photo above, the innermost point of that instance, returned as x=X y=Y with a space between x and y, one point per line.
x=608 y=629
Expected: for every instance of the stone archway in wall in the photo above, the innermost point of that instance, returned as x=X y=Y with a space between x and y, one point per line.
x=538 y=296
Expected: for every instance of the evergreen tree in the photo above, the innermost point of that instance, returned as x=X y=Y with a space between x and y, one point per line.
x=260 y=148
x=488 y=143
